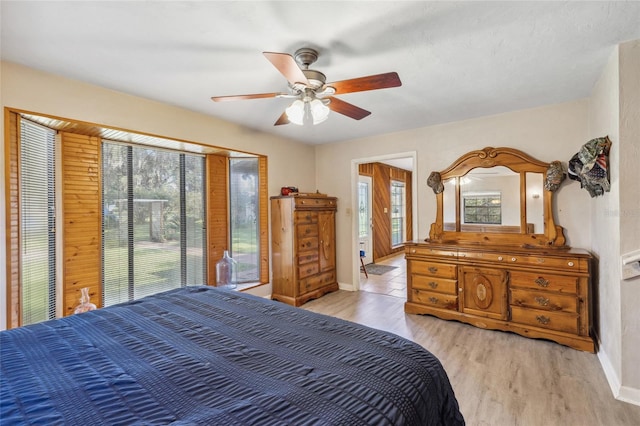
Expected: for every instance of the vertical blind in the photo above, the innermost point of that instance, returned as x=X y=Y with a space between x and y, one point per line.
x=153 y=221
x=37 y=222
x=244 y=224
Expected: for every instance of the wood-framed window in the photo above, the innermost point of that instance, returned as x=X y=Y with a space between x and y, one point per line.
x=81 y=211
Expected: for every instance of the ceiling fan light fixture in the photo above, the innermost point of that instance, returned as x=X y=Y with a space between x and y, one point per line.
x=301 y=112
x=319 y=111
x=295 y=112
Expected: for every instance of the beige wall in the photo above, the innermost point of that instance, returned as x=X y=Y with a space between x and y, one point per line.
x=629 y=57
x=289 y=162
x=603 y=120
x=614 y=110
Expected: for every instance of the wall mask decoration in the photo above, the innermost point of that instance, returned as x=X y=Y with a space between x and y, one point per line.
x=590 y=166
x=434 y=181
x=555 y=176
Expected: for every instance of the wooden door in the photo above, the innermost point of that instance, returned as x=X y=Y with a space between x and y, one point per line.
x=484 y=291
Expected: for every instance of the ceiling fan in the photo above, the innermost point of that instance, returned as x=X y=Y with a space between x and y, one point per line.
x=313 y=96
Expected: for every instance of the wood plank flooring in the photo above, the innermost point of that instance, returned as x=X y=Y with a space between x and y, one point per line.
x=499 y=378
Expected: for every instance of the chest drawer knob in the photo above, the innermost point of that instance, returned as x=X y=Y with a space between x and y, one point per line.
x=433 y=300
x=542 y=319
x=433 y=284
x=542 y=282
x=513 y=259
x=570 y=263
x=433 y=269
x=500 y=258
x=542 y=301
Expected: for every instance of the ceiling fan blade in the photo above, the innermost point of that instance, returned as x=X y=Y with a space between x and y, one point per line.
x=372 y=82
x=287 y=67
x=282 y=120
x=242 y=97
x=345 y=108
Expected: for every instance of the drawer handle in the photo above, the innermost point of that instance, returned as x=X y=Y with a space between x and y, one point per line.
x=433 y=269
x=542 y=282
x=413 y=250
x=513 y=259
x=542 y=319
x=500 y=258
x=433 y=284
x=433 y=300
x=570 y=263
x=542 y=301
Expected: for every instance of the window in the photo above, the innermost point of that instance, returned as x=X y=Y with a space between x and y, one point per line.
x=363 y=213
x=244 y=225
x=153 y=221
x=398 y=203
x=132 y=214
x=37 y=223
x=482 y=207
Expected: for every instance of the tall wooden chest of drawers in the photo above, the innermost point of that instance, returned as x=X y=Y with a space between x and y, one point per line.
x=535 y=293
x=303 y=247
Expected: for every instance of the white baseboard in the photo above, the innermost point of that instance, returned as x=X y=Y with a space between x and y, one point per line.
x=621 y=393
x=630 y=395
x=347 y=287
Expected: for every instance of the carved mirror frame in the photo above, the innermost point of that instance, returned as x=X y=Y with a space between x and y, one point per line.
x=518 y=162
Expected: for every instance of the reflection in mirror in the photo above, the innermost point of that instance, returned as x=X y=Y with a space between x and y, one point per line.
x=449 y=202
x=535 y=202
x=490 y=196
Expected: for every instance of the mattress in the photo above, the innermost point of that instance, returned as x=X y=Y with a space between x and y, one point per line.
x=203 y=355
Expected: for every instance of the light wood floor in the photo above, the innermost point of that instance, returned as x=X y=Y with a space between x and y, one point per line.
x=499 y=378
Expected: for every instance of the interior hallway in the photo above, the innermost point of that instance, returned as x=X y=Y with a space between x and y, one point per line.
x=392 y=283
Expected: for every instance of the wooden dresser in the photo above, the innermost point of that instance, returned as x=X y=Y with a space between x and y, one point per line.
x=535 y=293
x=303 y=247
x=495 y=257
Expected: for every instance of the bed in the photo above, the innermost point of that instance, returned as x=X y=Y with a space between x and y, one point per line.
x=203 y=355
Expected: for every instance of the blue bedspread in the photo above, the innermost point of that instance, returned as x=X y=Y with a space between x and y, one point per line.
x=201 y=355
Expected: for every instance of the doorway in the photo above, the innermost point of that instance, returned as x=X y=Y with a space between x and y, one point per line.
x=366 y=210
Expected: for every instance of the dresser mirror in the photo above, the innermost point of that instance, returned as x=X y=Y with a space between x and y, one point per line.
x=497 y=196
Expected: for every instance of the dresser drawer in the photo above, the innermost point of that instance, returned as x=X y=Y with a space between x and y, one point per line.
x=307 y=230
x=315 y=282
x=309 y=243
x=426 y=251
x=436 y=300
x=543 y=281
x=433 y=269
x=558 y=321
x=546 y=301
x=439 y=285
x=306 y=217
x=307 y=257
x=315 y=203
x=564 y=263
x=308 y=270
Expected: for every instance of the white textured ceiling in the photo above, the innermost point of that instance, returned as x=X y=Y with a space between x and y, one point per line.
x=456 y=60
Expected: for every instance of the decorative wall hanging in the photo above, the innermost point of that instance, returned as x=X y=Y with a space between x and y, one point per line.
x=435 y=182
x=590 y=166
x=555 y=176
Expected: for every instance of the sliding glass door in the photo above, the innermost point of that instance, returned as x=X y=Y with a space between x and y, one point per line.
x=153 y=221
